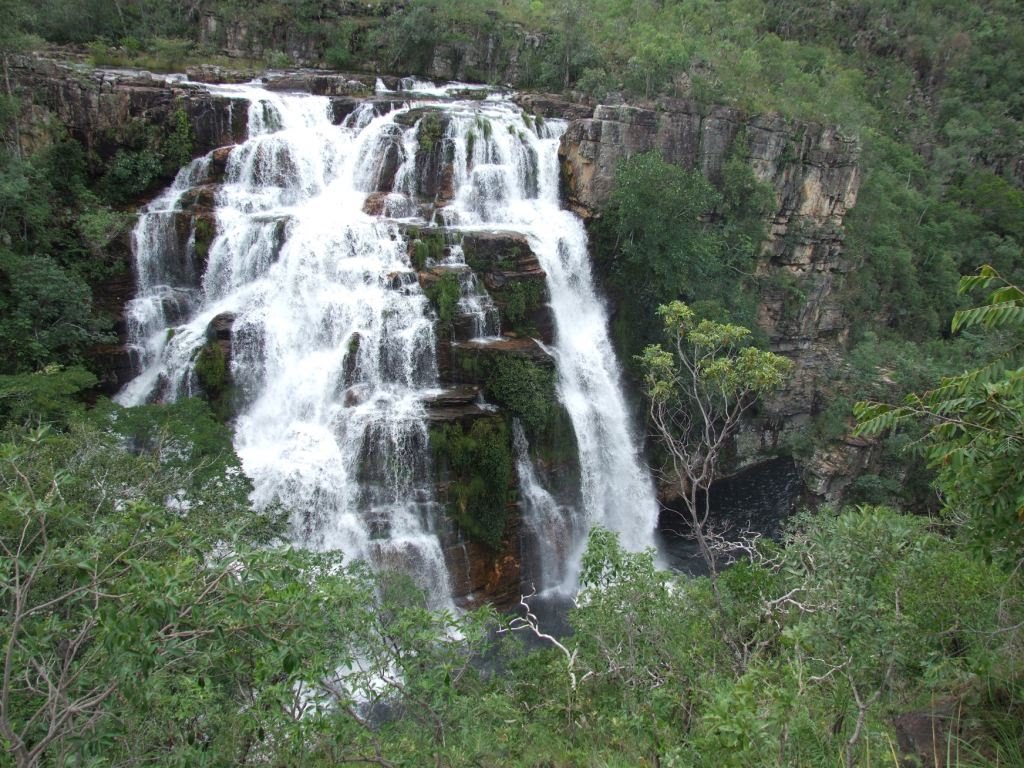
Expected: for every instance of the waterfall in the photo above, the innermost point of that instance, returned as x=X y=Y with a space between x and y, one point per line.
x=508 y=178
x=332 y=340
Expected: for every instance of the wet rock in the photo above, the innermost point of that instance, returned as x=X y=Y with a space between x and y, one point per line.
x=219 y=331
x=483 y=577
x=218 y=165
x=220 y=328
x=320 y=83
x=400 y=281
x=459 y=402
x=375 y=203
x=484 y=250
x=199 y=199
x=469 y=362
x=458 y=394
x=116 y=366
x=510 y=271
x=211 y=73
x=390 y=159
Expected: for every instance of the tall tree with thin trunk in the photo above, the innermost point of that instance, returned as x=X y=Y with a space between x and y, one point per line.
x=699 y=390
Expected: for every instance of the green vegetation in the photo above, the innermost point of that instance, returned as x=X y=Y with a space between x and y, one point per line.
x=59 y=240
x=41 y=397
x=975 y=431
x=480 y=462
x=699 y=391
x=142 y=616
x=522 y=386
x=177 y=147
x=669 y=233
x=444 y=294
x=518 y=302
x=426 y=247
x=527 y=390
x=214 y=377
x=204 y=233
x=429 y=132
x=188 y=640
x=188 y=637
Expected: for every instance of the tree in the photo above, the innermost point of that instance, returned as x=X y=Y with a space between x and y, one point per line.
x=975 y=438
x=668 y=233
x=699 y=391
x=126 y=630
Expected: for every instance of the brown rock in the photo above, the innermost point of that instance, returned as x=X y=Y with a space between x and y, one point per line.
x=923 y=736
x=481 y=576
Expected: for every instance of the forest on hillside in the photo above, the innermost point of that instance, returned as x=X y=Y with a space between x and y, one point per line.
x=151 y=616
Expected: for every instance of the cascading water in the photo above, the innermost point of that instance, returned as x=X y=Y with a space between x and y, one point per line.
x=507 y=177
x=332 y=339
x=328 y=353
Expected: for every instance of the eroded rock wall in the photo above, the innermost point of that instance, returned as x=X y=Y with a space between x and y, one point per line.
x=813 y=170
x=95 y=105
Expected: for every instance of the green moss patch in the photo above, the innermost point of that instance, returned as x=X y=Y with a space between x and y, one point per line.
x=204 y=230
x=518 y=302
x=444 y=295
x=214 y=376
x=425 y=247
x=479 y=462
x=430 y=132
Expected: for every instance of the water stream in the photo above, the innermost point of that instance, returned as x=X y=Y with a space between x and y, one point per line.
x=333 y=342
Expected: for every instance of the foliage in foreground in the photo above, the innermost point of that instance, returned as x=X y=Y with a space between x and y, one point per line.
x=974 y=424
x=146 y=623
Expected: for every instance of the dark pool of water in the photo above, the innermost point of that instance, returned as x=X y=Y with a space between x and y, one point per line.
x=759 y=500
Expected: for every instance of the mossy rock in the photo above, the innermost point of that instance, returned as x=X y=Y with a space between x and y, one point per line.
x=204 y=231
x=523 y=307
x=444 y=294
x=213 y=373
x=426 y=246
x=485 y=251
x=476 y=463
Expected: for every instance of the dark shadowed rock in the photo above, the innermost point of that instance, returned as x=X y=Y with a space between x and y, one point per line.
x=510 y=271
x=924 y=736
x=482 y=576
x=320 y=83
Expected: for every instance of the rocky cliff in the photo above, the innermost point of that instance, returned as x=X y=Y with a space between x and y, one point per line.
x=814 y=172
x=96 y=106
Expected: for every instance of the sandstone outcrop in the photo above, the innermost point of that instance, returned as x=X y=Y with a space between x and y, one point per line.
x=814 y=172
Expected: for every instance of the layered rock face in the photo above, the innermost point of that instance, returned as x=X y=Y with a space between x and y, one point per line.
x=95 y=105
x=813 y=170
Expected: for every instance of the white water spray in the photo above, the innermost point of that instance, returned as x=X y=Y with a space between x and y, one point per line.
x=333 y=344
